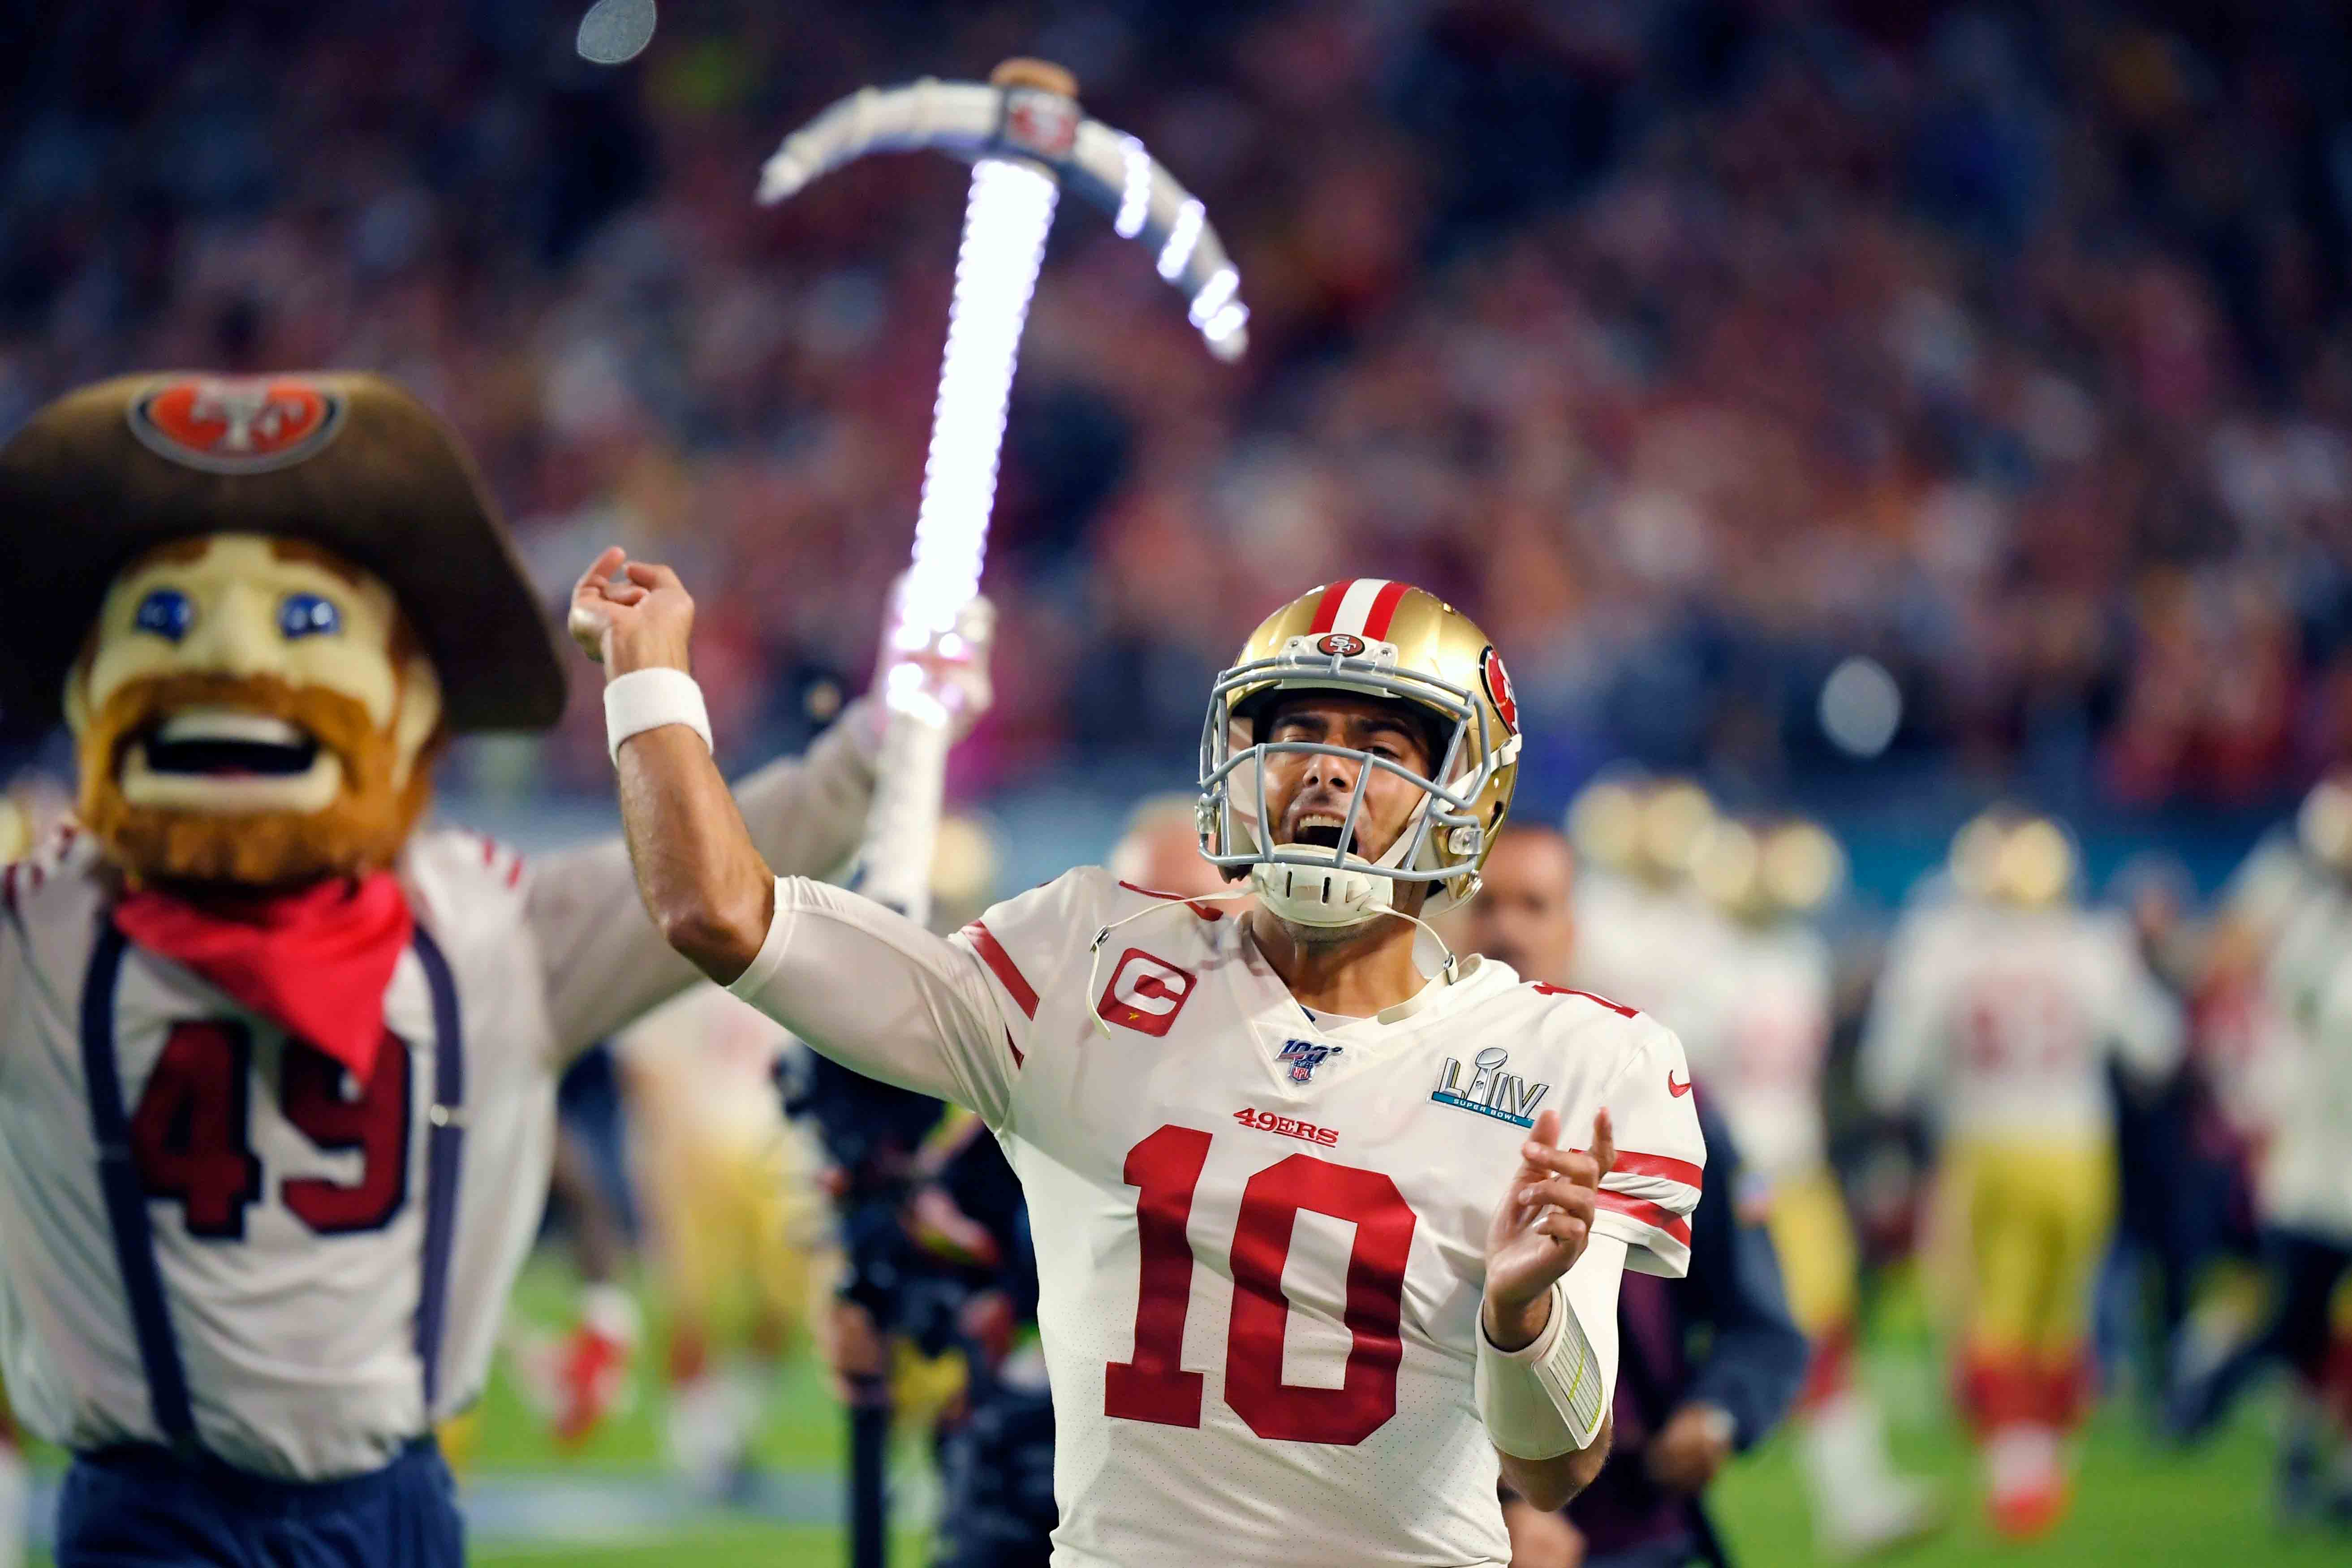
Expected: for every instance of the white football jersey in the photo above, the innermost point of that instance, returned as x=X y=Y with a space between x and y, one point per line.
x=1261 y=1235
x=1759 y=1034
x=2002 y=1020
x=287 y=1202
x=2303 y=1179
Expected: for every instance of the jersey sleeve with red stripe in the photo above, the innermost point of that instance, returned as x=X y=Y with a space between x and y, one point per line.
x=1025 y=941
x=1646 y=1199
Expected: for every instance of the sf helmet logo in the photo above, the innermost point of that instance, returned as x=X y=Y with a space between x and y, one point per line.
x=236 y=424
x=1145 y=994
x=1498 y=688
x=1341 y=645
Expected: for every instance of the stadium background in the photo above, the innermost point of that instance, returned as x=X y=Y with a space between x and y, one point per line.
x=1701 y=349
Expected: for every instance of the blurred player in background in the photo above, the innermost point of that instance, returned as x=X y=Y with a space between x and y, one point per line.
x=1644 y=933
x=1758 y=1038
x=1683 y=1407
x=579 y=1377
x=2302 y=920
x=1998 y=1012
x=735 y=1227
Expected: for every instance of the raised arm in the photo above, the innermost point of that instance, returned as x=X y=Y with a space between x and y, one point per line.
x=874 y=992
x=707 y=888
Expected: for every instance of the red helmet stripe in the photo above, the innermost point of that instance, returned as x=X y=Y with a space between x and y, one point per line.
x=1327 y=609
x=1383 y=611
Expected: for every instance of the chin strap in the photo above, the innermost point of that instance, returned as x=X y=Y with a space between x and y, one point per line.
x=1450 y=969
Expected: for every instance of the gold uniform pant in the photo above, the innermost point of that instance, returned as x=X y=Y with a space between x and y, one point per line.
x=1814 y=1237
x=2028 y=1223
x=739 y=1231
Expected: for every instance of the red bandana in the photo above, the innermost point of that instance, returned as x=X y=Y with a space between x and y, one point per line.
x=315 y=962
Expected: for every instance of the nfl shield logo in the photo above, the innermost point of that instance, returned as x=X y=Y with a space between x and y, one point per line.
x=1304 y=1057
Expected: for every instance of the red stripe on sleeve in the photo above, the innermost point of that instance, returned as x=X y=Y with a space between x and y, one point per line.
x=1018 y=1059
x=1008 y=975
x=1383 y=611
x=1630 y=1164
x=1328 y=610
x=1648 y=1212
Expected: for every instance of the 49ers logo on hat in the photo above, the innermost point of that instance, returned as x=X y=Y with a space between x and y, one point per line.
x=1498 y=688
x=1341 y=645
x=236 y=424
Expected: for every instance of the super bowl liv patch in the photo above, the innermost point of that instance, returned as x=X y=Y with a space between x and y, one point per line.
x=1491 y=1092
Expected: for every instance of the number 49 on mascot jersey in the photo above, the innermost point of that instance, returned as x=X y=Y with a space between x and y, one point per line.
x=276 y=1065
x=1261 y=1233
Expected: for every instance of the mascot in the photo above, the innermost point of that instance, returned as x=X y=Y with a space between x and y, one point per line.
x=276 y=1064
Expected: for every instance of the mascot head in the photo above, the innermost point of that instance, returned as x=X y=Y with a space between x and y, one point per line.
x=261 y=605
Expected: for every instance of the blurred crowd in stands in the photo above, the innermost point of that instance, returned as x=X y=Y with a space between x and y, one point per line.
x=1693 y=347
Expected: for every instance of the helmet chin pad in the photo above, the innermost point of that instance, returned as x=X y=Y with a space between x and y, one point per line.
x=1325 y=896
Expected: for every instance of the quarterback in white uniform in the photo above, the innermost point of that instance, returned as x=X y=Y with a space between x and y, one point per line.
x=1313 y=1268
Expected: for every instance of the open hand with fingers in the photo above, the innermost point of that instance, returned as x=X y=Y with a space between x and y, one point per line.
x=1541 y=1226
x=631 y=615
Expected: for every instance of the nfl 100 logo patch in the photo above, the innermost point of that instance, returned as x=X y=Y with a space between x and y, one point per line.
x=1303 y=1057
x=1491 y=1092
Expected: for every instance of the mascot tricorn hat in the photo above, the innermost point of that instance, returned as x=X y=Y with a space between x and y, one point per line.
x=345 y=460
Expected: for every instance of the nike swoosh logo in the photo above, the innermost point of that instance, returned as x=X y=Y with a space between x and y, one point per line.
x=1677 y=1089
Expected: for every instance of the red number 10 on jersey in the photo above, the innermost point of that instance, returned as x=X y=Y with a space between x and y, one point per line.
x=1154 y=1386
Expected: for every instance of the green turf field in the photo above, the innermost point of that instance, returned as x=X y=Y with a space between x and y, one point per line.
x=2137 y=1504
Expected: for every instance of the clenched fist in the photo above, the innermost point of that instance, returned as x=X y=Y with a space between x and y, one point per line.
x=631 y=615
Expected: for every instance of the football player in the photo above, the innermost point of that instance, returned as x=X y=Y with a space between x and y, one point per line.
x=736 y=1226
x=1314 y=1267
x=2303 y=1181
x=1758 y=1039
x=1999 y=1009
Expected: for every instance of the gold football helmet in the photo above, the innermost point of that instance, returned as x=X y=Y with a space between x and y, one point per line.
x=1377 y=638
x=1764 y=872
x=2014 y=857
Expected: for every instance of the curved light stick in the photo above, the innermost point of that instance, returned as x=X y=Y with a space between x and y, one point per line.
x=1026 y=139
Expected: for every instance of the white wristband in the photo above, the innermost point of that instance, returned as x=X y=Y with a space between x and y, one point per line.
x=648 y=699
x=1549 y=1398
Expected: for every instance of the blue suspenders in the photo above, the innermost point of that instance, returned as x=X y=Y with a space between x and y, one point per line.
x=126 y=1202
x=445 y=1143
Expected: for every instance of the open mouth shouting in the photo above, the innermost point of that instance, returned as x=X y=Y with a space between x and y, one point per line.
x=228 y=759
x=1319 y=830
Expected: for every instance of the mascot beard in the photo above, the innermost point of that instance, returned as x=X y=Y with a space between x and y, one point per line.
x=255 y=780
